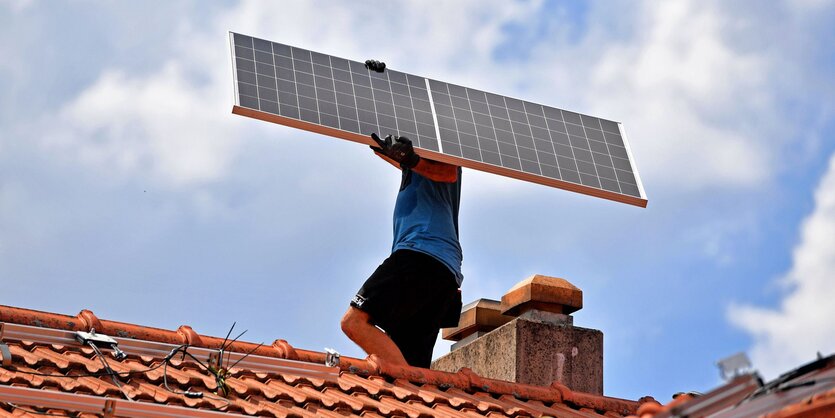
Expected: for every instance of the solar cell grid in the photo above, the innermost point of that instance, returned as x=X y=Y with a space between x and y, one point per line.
x=334 y=92
x=465 y=125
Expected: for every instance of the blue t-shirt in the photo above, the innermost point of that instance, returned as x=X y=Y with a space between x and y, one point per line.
x=426 y=219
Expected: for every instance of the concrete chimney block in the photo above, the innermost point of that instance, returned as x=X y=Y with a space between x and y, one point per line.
x=529 y=337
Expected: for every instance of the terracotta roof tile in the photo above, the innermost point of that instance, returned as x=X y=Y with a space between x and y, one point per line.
x=806 y=392
x=413 y=410
x=507 y=407
x=367 y=387
x=29 y=358
x=385 y=409
x=352 y=401
x=482 y=403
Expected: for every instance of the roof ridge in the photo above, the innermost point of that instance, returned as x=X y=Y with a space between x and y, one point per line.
x=464 y=379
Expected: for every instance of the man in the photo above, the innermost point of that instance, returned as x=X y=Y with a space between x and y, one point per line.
x=414 y=293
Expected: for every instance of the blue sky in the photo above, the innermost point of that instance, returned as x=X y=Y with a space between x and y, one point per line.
x=127 y=187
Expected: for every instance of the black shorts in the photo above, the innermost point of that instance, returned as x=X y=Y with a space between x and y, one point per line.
x=411 y=296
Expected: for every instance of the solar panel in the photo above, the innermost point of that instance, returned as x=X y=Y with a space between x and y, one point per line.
x=454 y=124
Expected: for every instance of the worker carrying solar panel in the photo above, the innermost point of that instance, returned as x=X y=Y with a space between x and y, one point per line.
x=415 y=292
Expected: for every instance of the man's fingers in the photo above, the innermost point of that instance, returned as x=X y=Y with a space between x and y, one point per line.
x=404 y=140
x=379 y=141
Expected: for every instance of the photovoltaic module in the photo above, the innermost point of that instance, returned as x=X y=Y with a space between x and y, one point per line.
x=459 y=125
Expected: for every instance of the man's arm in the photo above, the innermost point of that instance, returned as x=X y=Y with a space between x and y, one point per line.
x=433 y=170
x=399 y=152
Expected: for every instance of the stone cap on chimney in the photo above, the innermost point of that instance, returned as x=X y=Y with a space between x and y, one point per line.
x=481 y=316
x=549 y=294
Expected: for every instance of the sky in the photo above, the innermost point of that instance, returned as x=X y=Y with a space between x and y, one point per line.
x=127 y=187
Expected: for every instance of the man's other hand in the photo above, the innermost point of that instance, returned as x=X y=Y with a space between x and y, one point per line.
x=398 y=148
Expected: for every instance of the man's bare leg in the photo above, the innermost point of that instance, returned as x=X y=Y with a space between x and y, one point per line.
x=356 y=324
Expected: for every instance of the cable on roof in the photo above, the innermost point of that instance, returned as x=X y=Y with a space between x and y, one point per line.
x=187 y=393
x=223 y=345
x=219 y=372
x=112 y=373
x=217 y=369
x=109 y=370
x=192 y=394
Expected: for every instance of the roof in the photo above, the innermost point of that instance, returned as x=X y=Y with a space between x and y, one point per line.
x=45 y=370
x=808 y=391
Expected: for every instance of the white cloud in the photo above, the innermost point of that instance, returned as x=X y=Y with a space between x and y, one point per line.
x=804 y=322
x=699 y=108
x=161 y=125
x=178 y=130
x=675 y=85
x=414 y=34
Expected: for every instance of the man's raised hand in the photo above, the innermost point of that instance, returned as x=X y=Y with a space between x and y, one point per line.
x=398 y=148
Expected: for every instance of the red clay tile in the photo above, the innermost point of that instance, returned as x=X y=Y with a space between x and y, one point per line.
x=374 y=404
x=538 y=408
x=364 y=387
x=352 y=402
x=470 y=411
x=320 y=397
x=334 y=403
x=376 y=385
x=426 y=396
x=350 y=383
x=321 y=412
x=481 y=403
x=269 y=407
x=287 y=391
x=507 y=408
x=57 y=359
x=448 y=411
x=258 y=388
x=296 y=411
x=454 y=401
x=412 y=410
x=24 y=354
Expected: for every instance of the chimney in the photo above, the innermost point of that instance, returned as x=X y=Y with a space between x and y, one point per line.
x=528 y=337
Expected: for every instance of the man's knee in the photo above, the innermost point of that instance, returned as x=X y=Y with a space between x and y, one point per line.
x=353 y=320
